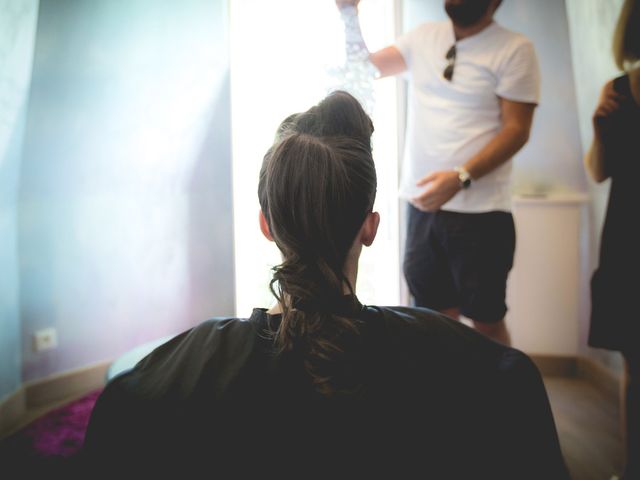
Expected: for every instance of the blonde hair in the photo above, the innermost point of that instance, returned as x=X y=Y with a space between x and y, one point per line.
x=626 y=38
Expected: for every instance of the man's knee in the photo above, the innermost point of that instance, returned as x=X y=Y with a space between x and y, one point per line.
x=490 y=328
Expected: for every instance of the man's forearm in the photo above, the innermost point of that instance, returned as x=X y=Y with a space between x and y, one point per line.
x=499 y=150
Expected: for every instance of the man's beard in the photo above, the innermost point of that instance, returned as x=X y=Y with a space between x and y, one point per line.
x=468 y=12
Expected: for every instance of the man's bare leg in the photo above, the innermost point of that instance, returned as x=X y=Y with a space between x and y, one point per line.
x=496 y=331
x=453 y=312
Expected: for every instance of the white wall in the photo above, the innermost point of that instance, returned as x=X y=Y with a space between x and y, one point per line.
x=17 y=34
x=125 y=227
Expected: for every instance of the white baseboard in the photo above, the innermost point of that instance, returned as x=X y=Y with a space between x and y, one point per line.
x=68 y=384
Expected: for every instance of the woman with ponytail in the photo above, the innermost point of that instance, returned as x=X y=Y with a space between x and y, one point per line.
x=321 y=385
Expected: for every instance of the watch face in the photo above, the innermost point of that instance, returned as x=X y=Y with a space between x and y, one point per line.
x=463 y=177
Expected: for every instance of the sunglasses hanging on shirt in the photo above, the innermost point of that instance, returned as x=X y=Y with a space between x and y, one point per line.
x=451 y=60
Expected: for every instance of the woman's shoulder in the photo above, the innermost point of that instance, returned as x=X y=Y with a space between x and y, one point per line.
x=419 y=318
x=205 y=339
x=423 y=319
x=432 y=326
x=416 y=329
x=177 y=366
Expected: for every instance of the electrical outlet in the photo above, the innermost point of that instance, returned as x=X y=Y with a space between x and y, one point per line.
x=45 y=339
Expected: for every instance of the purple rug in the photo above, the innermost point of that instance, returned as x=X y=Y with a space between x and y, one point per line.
x=55 y=437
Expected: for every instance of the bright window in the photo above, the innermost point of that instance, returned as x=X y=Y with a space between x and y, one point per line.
x=281 y=51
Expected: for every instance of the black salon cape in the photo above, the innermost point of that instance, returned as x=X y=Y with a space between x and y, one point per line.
x=437 y=400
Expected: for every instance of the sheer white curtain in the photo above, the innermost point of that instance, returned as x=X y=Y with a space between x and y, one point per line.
x=282 y=56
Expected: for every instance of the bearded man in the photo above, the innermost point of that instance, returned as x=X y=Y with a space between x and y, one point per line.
x=473 y=89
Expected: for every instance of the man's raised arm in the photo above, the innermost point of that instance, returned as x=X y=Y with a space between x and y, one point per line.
x=388 y=61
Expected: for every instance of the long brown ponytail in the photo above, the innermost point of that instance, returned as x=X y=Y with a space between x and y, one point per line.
x=317 y=184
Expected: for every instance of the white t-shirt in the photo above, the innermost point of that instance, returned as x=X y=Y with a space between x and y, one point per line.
x=449 y=122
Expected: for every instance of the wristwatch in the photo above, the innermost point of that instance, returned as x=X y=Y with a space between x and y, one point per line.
x=463 y=176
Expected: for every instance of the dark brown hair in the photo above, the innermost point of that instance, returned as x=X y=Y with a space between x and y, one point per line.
x=317 y=185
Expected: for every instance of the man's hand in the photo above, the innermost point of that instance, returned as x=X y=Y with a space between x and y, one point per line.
x=347 y=3
x=608 y=104
x=441 y=187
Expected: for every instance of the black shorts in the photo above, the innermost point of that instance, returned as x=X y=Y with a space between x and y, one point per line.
x=460 y=260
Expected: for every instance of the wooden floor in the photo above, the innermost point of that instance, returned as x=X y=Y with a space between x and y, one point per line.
x=588 y=427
